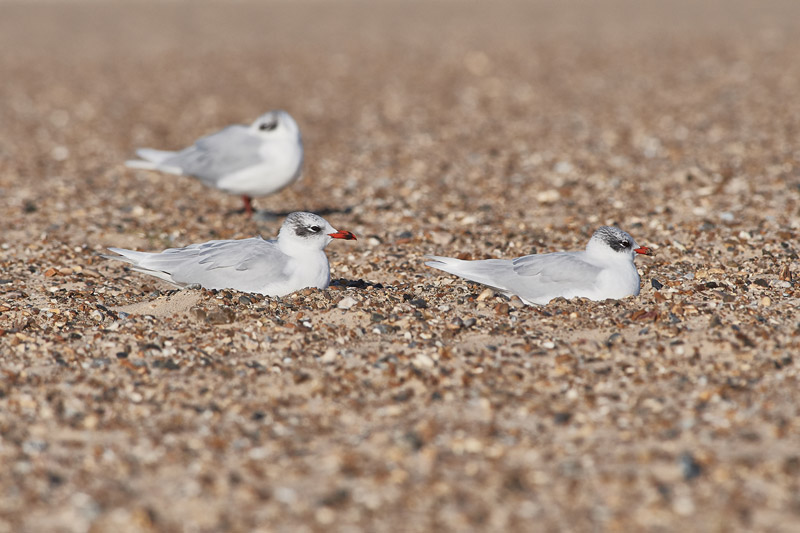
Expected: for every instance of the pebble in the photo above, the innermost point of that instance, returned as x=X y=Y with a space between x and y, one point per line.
x=455 y=324
x=548 y=197
x=441 y=238
x=423 y=360
x=347 y=302
x=501 y=309
x=220 y=315
x=329 y=356
x=485 y=295
x=516 y=302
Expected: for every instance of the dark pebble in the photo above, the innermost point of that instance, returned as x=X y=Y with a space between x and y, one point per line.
x=419 y=303
x=791 y=466
x=782 y=362
x=382 y=328
x=169 y=364
x=657 y=285
x=562 y=418
x=615 y=338
x=706 y=226
x=689 y=466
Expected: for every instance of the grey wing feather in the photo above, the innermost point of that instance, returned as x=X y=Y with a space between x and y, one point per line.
x=218 y=155
x=559 y=267
x=249 y=264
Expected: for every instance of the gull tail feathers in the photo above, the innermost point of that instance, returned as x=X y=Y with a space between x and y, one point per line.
x=152 y=159
x=135 y=259
x=484 y=272
x=127 y=256
x=154 y=156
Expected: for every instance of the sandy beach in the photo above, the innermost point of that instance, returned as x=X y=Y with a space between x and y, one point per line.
x=402 y=398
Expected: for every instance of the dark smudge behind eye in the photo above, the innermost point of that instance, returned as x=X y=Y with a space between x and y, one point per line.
x=302 y=231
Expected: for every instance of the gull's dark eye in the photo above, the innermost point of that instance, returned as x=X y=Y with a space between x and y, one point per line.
x=268 y=126
x=315 y=229
x=625 y=244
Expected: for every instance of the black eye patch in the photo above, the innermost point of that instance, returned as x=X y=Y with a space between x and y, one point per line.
x=305 y=231
x=268 y=126
x=618 y=246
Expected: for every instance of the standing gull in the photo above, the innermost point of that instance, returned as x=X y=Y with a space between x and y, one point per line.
x=254 y=160
x=604 y=270
x=293 y=261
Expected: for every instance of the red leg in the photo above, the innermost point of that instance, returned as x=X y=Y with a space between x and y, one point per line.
x=248 y=205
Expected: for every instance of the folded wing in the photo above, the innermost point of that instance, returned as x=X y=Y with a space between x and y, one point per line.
x=548 y=276
x=534 y=278
x=218 y=155
x=248 y=264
